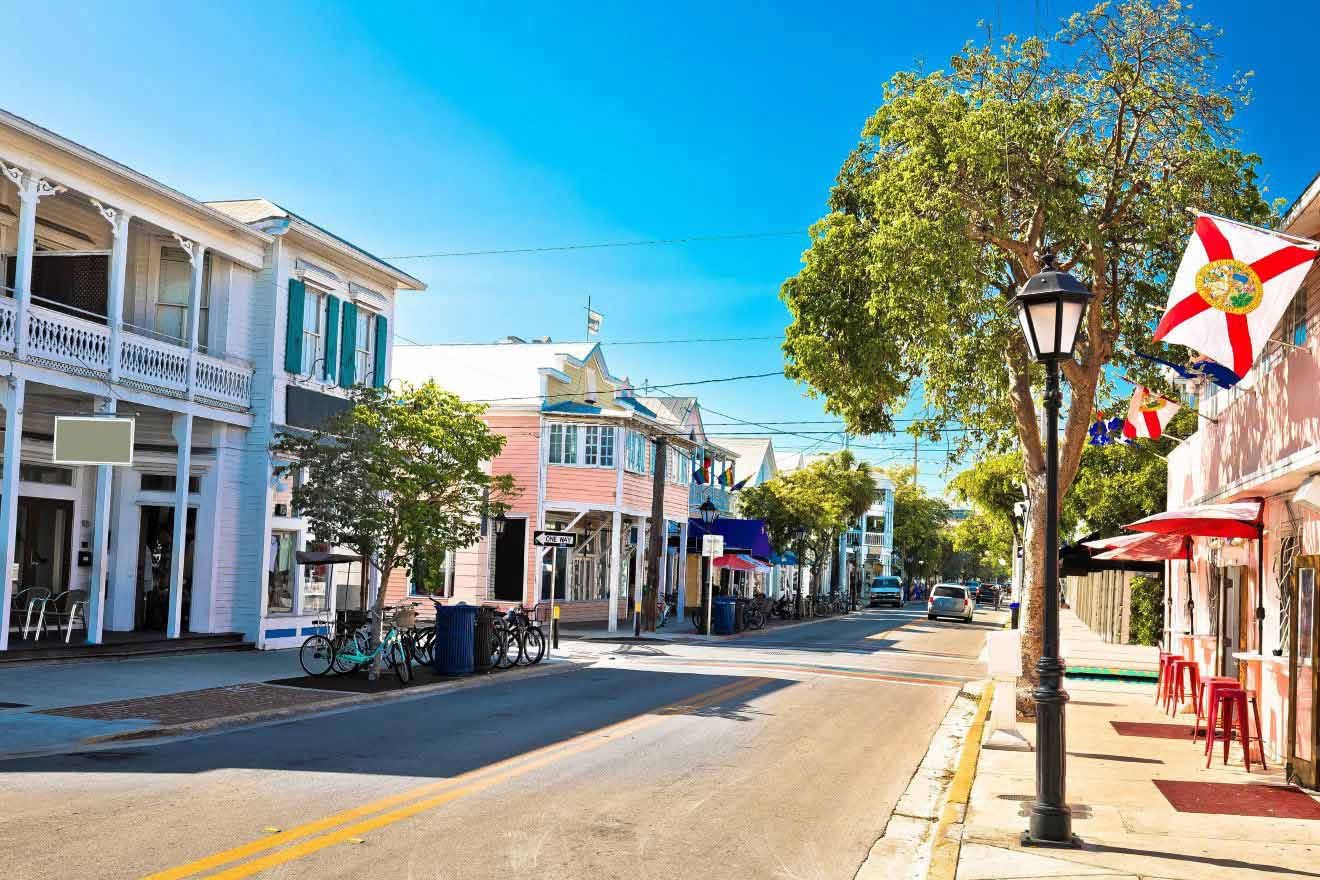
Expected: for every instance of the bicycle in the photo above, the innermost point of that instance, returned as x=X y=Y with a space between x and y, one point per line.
x=526 y=633
x=319 y=654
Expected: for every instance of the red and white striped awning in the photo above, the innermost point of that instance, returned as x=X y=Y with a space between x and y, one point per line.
x=1114 y=543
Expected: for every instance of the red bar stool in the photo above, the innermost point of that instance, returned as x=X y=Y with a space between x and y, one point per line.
x=1209 y=687
x=1229 y=699
x=1186 y=681
x=1159 y=682
x=1165 y=689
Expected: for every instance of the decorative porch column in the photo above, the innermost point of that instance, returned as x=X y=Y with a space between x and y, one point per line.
x=96 y=592
x=182 y=429
x=197 y=258
x=616 y=537
x=639 y=562
x=118 y=220
x=31 y=189
x=11 y=397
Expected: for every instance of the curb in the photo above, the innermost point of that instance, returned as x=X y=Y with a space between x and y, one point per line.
x=948 y=832
x=264 y=716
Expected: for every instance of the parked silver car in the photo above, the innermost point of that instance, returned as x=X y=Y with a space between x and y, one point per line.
x=951 y=600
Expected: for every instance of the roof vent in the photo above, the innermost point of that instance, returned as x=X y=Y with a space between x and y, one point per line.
x=512 y=340
x=543 y=339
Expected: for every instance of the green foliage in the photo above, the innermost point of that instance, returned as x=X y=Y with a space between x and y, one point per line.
x=807 y=509
x=1146 y=621
x=921 y=537
x=399 y=476
x=1118 y=484
x=1090 y=144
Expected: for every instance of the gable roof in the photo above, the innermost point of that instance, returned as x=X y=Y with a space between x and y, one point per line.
x=750 y=454
x=507 y=373
x=253 y=211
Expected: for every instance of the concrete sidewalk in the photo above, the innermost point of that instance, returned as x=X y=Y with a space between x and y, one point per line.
x=1143 y=803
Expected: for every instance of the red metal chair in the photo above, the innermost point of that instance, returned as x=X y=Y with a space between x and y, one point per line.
x=1185 y=681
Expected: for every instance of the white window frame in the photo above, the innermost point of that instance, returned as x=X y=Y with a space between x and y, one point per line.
x=560 y=434
x=364 y=346
x=598 y=446
x=313 y=338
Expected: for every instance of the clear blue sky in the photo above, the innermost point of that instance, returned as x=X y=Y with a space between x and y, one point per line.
x=417 y=128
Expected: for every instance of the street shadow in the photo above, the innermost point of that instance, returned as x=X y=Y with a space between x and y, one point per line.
x=438 y=736
x=1233 y=864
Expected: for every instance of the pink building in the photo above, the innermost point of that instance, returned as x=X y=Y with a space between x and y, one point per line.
x=1264 y=443
x=582 y=450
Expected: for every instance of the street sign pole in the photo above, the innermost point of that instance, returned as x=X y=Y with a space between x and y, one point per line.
x=711 y=547
x=554 y=618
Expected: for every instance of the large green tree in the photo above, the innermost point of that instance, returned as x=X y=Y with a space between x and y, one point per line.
x=400 y=476
x=1090 y=145
x=806 y=510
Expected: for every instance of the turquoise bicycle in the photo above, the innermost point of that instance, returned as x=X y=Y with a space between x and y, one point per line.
x=353 y=650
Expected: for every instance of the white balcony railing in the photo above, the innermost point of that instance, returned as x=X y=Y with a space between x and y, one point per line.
x=151 y=362
x=76 y=345
x=222 y=381
x=72 y=344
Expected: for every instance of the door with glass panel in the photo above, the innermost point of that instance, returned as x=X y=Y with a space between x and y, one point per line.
x=1303 y=742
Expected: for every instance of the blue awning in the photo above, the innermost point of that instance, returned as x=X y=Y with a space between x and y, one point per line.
x=789 y=558
x=740 y=535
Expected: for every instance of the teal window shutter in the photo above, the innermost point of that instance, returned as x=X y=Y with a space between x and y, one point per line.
x=331 y=337
x=348 y=351
x=382 y=338
x=293 y=338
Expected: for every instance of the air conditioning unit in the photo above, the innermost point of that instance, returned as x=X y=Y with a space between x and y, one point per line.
x=1307 y=496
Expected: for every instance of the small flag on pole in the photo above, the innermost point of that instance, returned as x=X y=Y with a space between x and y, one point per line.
x=1148 y=414
x=593 y=321
x=1232 y=287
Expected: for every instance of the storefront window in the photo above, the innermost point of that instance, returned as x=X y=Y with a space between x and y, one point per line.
x=279 y=598
x=424 y=580
x=554 y=568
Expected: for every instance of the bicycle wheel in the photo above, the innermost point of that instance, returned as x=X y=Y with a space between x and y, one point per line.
x=355 y=643
x=423 y=646
x=401 y=662
x=533 y=646
x=510 y=651
x=317 y=655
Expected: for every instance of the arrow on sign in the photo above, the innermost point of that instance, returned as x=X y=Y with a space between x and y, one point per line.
x=555 y=539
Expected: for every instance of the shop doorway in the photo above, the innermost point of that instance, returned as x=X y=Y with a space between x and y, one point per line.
x=511 y=561
x=42 y=536
x=155 y=555
x=1303 y=650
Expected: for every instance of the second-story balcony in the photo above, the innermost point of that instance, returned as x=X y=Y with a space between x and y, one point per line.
x=95 y=291
x=84 y=347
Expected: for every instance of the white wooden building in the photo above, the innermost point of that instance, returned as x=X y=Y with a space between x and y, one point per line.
x=122 y=297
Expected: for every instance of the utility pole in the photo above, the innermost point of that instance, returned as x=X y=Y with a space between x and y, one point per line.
x=655 y=552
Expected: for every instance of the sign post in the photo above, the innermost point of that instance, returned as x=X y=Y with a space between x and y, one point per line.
x=711 y=547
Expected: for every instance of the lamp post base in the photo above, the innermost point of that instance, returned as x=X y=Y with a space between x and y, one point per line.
x=1074 y=842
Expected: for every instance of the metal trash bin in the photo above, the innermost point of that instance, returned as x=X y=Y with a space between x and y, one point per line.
x=723 y=613
x=740 y=609
x=1014 y=608
x=483 y=641
x=455 y=634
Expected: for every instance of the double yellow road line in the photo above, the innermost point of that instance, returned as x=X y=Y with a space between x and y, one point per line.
x=286 y=846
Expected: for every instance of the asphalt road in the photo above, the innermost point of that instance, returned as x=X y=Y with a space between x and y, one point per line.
x=775 y=755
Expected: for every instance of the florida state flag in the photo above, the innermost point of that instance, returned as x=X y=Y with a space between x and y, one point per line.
x=1232 y=287
x=1148 y=414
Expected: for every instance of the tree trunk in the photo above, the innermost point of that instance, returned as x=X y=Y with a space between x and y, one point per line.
x=377 y=619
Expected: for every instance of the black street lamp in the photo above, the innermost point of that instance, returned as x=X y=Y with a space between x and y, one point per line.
x=500 y=521
x=1050 y=308
x=709 y=513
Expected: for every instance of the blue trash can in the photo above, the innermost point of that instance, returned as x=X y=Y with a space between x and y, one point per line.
x=723 y=614
x=455 y=631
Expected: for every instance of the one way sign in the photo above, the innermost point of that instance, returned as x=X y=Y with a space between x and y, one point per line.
x=555 y=539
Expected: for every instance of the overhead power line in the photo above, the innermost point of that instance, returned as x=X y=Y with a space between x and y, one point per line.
x=644 y=389
x=648 y=242
x=613 y=342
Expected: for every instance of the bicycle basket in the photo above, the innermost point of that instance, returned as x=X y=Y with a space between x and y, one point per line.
x=405 y=618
